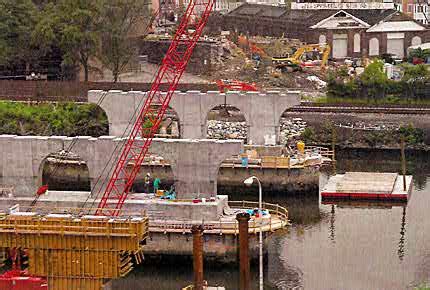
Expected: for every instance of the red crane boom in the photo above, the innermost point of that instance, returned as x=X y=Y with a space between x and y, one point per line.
x=170 y=71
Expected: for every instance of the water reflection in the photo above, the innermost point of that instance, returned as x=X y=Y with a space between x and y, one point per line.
x=401 y=251
x=332 y=228
x=336 y=245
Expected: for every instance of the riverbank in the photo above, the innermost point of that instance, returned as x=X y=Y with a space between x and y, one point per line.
x=365 y=130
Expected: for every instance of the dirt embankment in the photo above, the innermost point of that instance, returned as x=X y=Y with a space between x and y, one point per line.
x=366 y=130
x=238 y=61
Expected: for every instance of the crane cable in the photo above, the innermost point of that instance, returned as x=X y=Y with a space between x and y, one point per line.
x=44 y=187
x=120 y=145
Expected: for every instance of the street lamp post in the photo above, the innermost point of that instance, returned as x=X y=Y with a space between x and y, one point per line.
x=249 y=182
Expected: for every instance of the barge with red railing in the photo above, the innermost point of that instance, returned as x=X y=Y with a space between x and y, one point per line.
x=368 y=186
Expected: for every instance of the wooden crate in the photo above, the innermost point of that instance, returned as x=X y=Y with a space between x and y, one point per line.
x=268 y=161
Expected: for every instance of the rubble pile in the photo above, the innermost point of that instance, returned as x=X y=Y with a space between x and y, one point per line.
x=235 y=61
x=226 y=130
x=291 y=129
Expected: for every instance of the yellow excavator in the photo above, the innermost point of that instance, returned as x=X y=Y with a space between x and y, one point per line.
x=297 y=61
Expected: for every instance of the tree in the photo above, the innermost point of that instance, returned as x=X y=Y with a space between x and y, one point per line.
x=75 y=27
x=17 y=21
x=120 y=19
x=374 y=79
x=415 y=77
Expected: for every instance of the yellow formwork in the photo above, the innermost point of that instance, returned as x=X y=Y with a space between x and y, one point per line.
x=75 y=252
x=95 y=264
x=68 y=232
x=74 y=283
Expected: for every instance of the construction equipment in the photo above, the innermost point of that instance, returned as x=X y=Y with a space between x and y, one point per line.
x=235 y=85
x=172 y=67
x=298 y=60
x=69 y=250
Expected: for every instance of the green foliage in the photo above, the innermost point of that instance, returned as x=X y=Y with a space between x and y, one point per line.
x=374 y=138
x=81 y=29
x=339 y=84
x=308 y=135
x=74 y=26
x=374 y=79
x=119 y=18
x=412 y=135
x=68 y=119
x=418 y=53
x=422 y=287
x=415 y=79
x=373 y=86
x=17 y=20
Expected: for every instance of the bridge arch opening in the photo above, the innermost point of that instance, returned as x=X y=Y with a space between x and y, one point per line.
x=169 y=126
x=156 y=166
x=64 y=171
x=227 y=122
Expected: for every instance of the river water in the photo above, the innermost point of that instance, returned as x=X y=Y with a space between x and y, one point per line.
x=341 y=246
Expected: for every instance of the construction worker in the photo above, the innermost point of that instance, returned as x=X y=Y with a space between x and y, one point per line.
x=157 y=182
x=147 y=182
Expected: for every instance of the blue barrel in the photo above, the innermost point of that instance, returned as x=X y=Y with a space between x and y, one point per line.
x=244 y=161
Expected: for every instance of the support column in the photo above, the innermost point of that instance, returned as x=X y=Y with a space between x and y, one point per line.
x=195 y=163
x=243 y=219
x=197 y=231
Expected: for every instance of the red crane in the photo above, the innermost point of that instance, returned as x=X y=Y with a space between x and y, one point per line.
x=170 y=71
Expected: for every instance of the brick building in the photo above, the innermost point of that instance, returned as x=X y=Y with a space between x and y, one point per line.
x=351 y=29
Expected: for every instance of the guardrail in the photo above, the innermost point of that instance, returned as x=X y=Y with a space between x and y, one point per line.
x=276 y=209
x=323 y=151
x=278 y=218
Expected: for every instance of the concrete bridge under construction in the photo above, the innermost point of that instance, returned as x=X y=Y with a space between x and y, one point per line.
x=22 y=159
x=262 y=111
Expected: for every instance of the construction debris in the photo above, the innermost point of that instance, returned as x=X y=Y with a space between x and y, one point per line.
x=250 y=60
x=291 y=129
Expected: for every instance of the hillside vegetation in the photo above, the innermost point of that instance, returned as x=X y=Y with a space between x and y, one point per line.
x=65 y=119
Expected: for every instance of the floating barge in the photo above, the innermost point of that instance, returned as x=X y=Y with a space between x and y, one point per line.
x=368 y=186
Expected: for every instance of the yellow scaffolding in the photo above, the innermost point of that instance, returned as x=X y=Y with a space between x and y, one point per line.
x=75 y=252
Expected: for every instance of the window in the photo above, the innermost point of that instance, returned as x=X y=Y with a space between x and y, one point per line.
x=410 y=8
x=416 y=40
x=357 y=39
x=373 y=47
x=420 y=9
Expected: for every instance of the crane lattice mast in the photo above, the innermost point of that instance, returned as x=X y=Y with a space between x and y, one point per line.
x=170 y=71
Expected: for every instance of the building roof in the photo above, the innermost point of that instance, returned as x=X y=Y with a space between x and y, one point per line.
x=396 y=26
x=311 y=17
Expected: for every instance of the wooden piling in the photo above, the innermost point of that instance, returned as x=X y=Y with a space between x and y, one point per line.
x=197 y=231
x=243 y=219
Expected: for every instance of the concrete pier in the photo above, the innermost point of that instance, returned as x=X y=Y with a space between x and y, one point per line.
x=195 y=162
